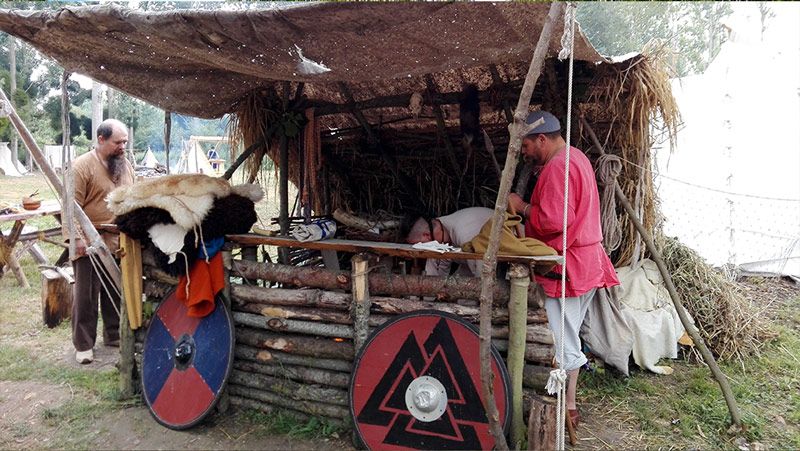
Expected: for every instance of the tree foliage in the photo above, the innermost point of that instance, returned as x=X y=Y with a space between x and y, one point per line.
x=689 y=32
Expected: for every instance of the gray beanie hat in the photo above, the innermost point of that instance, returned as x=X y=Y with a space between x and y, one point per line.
x=550 y=125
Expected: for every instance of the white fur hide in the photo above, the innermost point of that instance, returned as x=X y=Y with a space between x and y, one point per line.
x=187 y=197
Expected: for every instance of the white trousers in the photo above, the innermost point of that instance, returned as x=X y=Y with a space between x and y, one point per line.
x=575 y=310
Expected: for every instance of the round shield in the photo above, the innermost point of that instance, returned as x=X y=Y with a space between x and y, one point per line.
x=417 y=385
x=186 y=362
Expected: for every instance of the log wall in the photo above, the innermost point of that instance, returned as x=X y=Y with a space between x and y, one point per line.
x=294 y=346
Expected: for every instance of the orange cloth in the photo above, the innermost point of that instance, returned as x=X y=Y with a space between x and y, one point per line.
x=205 y=281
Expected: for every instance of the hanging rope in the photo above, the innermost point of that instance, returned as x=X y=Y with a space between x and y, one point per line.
x=557 y=383
x=608 y=168
x=101 y=275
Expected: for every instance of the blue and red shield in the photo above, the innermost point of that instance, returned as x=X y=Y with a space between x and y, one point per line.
x=416 y=385
x=186 y=362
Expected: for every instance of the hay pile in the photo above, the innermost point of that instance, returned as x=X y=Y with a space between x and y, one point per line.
x=732 y=326
x=636 y=99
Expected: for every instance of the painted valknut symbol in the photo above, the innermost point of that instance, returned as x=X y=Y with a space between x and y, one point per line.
x=416 y=385
x=186 y=362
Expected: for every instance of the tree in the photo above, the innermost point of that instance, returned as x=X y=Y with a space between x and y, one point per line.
x=690 y=32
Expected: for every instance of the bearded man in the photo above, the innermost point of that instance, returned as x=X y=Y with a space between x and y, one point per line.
x=96 y=174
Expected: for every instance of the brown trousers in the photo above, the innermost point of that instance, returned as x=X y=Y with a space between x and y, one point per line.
x=86 y=291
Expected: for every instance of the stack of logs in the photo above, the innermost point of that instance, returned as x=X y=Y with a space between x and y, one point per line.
x=294 y=346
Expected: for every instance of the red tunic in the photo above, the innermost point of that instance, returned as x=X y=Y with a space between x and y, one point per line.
x=588 y=266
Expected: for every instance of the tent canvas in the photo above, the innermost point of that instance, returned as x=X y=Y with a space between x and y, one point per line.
x=194 y=161
x=149 y=160
x=731 y=190
x=6 y=165
x=53 y=155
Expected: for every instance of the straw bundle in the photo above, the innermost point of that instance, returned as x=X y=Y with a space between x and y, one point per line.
x=635 y=99
x=732 y=326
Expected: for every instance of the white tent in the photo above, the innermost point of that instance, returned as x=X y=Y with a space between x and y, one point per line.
x=149 y=160
x=6 y=165
x=53 y=156
x=731 y=190
x=194 y=161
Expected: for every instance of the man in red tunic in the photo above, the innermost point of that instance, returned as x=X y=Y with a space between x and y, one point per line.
x=587 y=265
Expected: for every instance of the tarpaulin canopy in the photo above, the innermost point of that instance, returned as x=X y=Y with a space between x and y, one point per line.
x=201 y=63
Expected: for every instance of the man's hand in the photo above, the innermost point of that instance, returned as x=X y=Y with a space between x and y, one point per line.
x=516 y=203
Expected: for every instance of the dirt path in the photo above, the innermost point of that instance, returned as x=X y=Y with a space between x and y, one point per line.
x=25 y=407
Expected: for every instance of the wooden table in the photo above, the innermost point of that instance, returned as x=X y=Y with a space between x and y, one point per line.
x=392 y=249
x=10 y=241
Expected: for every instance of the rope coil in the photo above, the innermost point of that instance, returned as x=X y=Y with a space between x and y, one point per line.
x=608 y=169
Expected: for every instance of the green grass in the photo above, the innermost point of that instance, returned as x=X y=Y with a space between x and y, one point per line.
x=287 y=424
x=687 y=409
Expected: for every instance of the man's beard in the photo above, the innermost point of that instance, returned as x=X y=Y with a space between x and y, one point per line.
x=116 y=164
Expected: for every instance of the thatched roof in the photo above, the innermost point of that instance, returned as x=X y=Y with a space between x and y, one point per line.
x=202 y=63
x=374 y=153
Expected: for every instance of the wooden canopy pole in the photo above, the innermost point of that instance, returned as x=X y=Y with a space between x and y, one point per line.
x=92 y=237
x=730 y=400
x=167 y=133
x=516 y=131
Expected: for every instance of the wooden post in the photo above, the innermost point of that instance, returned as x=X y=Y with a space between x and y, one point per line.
x=361 y=302
x=7 y=254
x=224 y=401
x=167 y=132
x=56 y=298
x=722 y=380
x=516 y=131
x=126 y=354
x=517 y=328
x=542 y=424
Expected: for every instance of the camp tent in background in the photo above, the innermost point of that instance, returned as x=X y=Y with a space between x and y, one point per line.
x=149 y=160
x=731 y=190
x=194 y=159
x=54 y=157
x=6 y=165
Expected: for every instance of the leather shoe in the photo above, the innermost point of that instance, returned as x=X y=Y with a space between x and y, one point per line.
x=84 y=357
x=574 y=417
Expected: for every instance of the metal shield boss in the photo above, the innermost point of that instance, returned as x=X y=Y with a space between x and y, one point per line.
x=416 y=385
x=186 y=362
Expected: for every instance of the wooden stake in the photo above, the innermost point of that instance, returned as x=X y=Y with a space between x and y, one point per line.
x=516 y=130
x=361 y=302
x=542 y=424
x=517 y=313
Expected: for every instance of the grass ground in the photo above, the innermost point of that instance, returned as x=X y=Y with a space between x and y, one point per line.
x=48 y=401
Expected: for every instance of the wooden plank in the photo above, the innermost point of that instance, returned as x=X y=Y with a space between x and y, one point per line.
x=131 y=266
x=393 y=249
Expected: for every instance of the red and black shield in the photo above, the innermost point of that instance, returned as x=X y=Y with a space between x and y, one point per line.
x=186 y=362
x=416 y=385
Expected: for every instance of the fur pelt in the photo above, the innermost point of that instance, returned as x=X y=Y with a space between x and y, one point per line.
x=136 y=223
x=251 y=191
x=187 y=197
x=229 y=215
